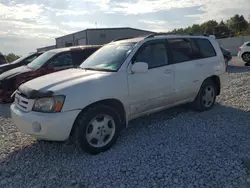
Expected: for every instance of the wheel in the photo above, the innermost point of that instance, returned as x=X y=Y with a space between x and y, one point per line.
x=97 y=129
x=247 y=64
x=246 y=57
x=206 y=97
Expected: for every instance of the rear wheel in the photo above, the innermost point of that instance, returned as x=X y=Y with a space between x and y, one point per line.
x=206 y=97
x=246 y=57
x=97 y=129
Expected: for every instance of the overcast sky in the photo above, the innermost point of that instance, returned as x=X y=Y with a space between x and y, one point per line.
x=28 y=24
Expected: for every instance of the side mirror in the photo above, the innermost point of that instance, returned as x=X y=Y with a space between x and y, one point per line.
x=139 y=67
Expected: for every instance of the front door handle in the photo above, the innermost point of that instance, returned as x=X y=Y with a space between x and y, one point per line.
x=168 y=71
x=199 y=65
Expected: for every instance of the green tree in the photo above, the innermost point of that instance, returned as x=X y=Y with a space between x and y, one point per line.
x=11 y=57
x=209 y=27
x=237 y=23
x=196 y=28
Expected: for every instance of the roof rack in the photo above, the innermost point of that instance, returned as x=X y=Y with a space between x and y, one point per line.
x=169 y=33
x=124 y=38
x=174 y=33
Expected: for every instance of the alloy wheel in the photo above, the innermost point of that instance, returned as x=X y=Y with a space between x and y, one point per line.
x=208 y=96
x=100 y=130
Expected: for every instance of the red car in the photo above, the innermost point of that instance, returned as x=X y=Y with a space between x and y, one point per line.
x=48 y=62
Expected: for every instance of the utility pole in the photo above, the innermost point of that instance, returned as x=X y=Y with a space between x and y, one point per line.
x=96 y=25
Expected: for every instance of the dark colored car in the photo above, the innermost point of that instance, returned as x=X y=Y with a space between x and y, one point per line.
x=227 y=55
x=49 y=62
x=19 y=62
x=2 y=59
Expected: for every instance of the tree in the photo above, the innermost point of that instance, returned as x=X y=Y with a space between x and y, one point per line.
x=196 y=28
x=209 y=27
x=237 y=23
x=11 y=57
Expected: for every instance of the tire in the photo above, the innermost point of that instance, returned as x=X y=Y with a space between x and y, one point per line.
x=247 y=64
x=95 y=126
x=246 y=57
x=203 y=95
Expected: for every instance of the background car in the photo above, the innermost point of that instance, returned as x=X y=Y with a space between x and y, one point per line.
x=227 y=55
x=19 y=62
x=2 y=59
x=48 y=62
x=244 y=52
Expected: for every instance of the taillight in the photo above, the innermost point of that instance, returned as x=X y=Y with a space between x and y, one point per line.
x=239 y=49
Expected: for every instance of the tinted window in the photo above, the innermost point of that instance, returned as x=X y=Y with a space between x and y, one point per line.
x=61 y=60
x=155 y=55
x=82 y=55
x=248 y=44
x=108 y=58
x=182 y=50
x=41 y=60
x=206 y=48
x=32 y=58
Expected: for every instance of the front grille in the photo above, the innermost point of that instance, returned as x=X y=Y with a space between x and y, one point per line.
x=22 y=102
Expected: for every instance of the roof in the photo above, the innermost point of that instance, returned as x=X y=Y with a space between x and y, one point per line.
x=72 y=48
x=158 y=36
x=107 y=29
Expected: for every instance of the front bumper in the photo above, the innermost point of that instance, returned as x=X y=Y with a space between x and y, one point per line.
x=239 y=54
x=45 y=126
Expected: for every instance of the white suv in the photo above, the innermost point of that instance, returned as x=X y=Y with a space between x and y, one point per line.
x=244 y=52
x=123 y=80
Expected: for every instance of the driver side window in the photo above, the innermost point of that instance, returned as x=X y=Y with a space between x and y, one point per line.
x=64 y=59
x=154 y=54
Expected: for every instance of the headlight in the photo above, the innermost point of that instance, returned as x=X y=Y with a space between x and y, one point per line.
x=49 y=105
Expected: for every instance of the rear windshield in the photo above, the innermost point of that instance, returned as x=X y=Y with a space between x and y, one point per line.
x=41 y=60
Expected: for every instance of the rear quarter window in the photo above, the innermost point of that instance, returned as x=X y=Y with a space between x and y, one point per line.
x=206 y=48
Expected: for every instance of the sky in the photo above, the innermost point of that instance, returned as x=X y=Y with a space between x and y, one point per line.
x=29 y=24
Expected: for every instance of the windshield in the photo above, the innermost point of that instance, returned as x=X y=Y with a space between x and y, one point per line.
x=38 y=62
x=109 y=57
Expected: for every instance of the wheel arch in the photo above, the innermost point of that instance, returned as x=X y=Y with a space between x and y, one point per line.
x=216 y=80
x=246 y=52
x=111 y=102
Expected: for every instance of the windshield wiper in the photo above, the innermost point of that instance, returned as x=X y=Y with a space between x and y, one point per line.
x=100 y=69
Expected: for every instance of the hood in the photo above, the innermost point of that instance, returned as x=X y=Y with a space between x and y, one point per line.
x=63 y=79
x=4 y=65
x=14 y=72
x=7 y=67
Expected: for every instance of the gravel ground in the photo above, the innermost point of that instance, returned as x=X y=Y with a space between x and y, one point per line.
x=174 y=148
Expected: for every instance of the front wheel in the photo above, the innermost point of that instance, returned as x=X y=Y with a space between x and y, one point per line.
x=97 y=129
x=206 y=97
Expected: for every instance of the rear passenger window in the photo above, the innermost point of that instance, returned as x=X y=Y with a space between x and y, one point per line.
x=63 y=59
x=248 y=44
x=181 y=50
x=206 y=48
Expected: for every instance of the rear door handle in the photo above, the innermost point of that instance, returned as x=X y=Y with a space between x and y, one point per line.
x=168 y=71
x=199 y=65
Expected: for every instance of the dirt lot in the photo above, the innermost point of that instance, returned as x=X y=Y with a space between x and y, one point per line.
x=174 y=148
